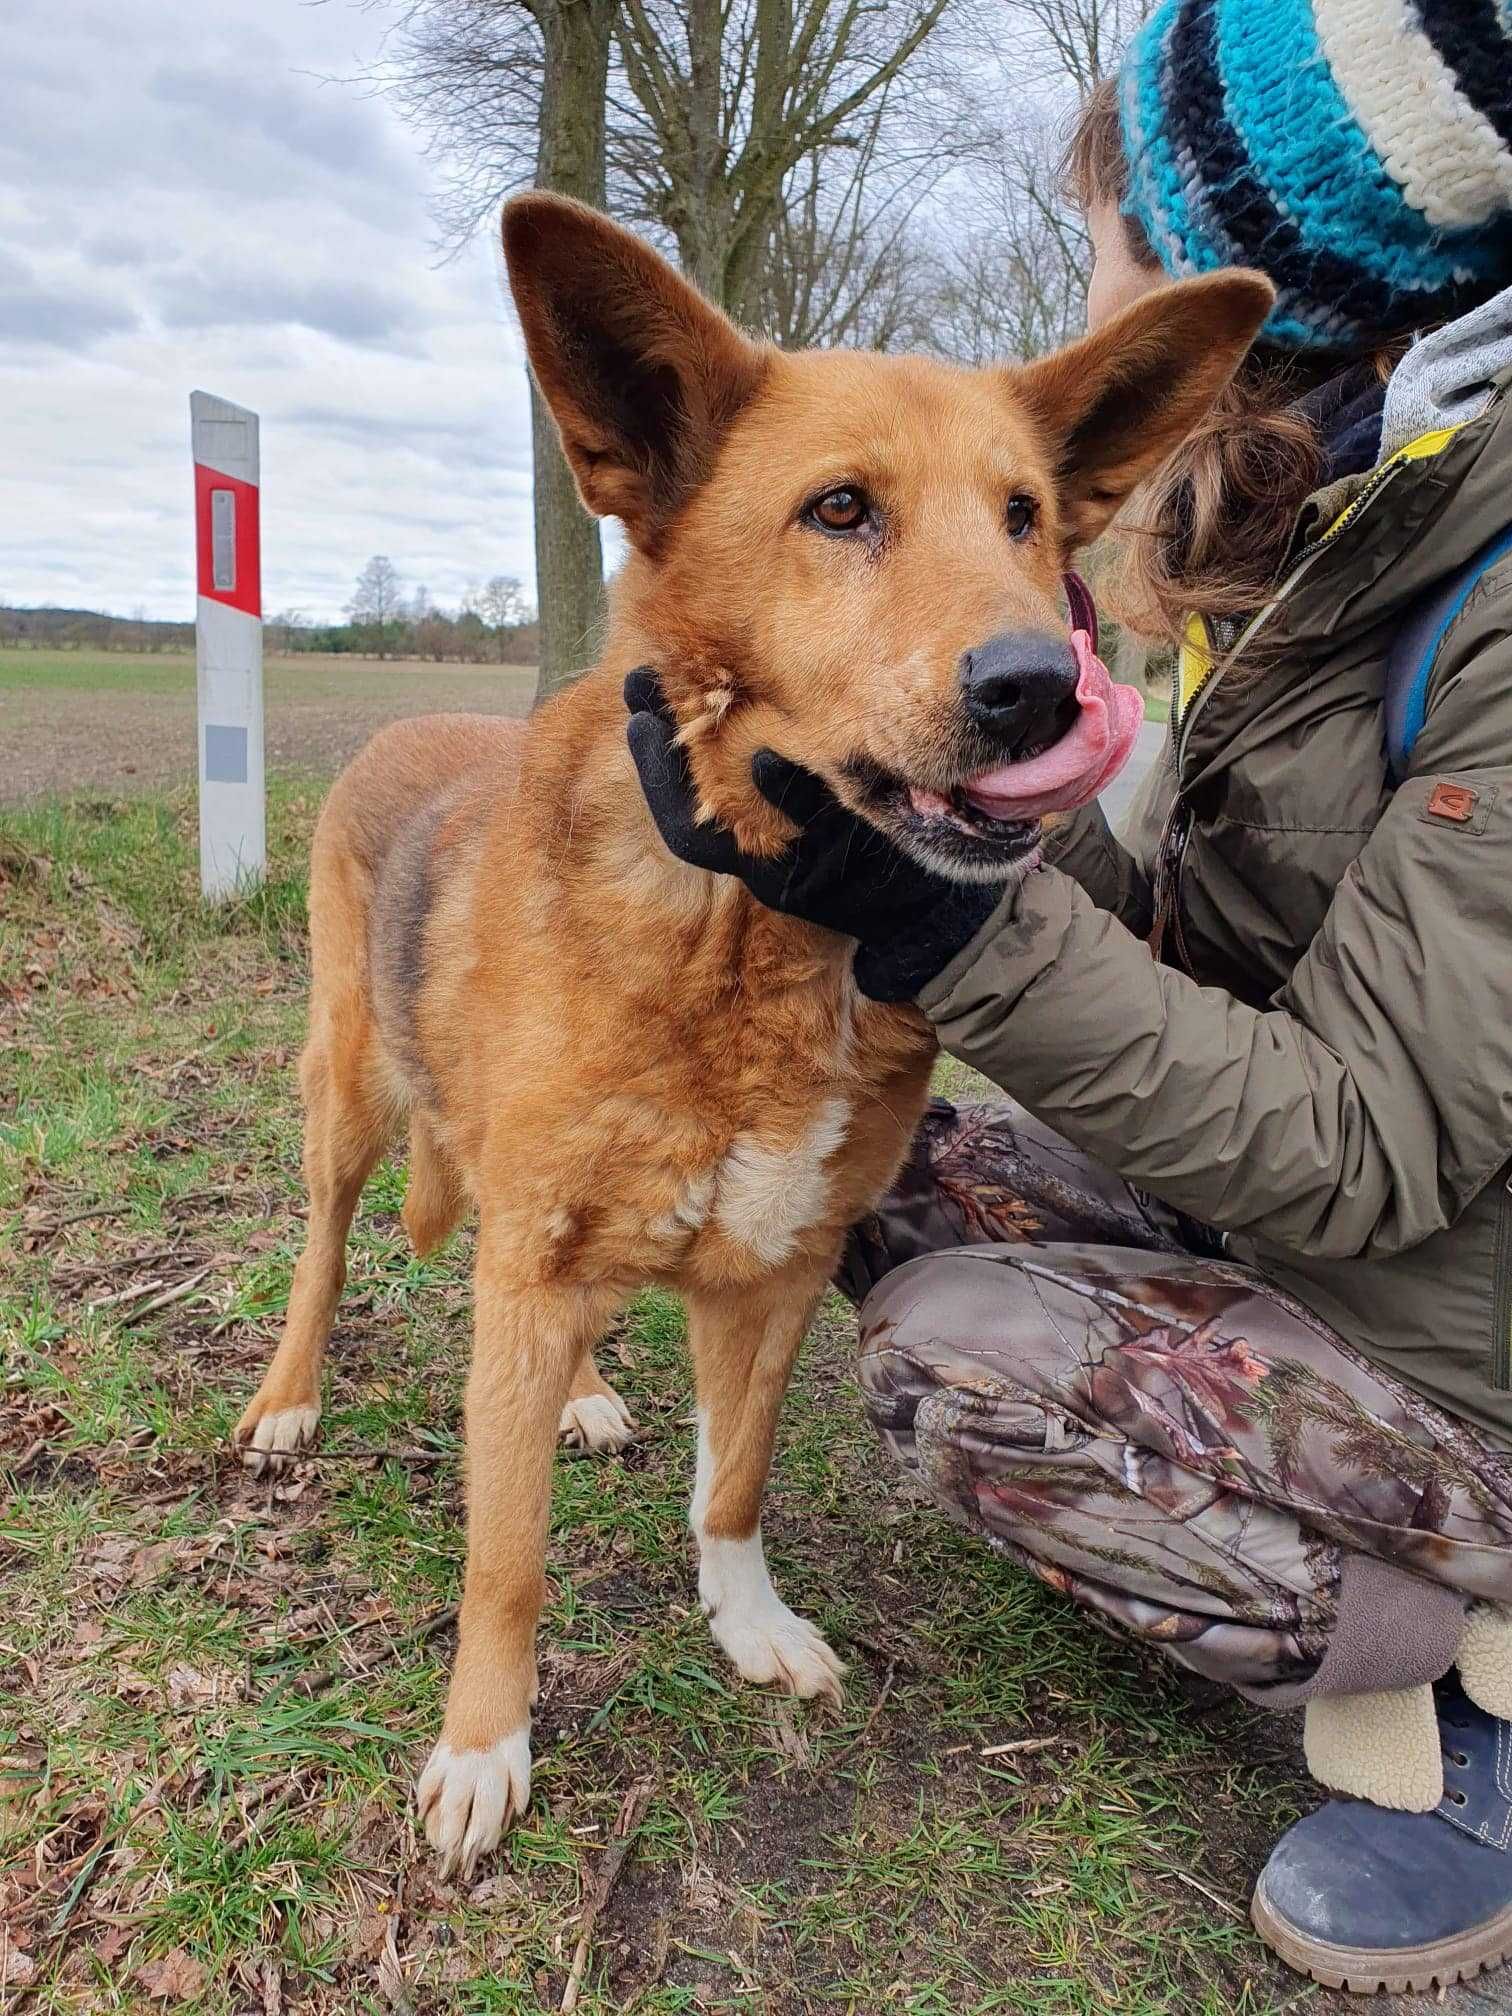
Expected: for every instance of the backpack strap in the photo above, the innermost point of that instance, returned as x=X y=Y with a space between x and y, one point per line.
x=1409 y=664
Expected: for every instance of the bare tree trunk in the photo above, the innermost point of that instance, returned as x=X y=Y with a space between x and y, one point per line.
x=569 y=561
x=570 y=160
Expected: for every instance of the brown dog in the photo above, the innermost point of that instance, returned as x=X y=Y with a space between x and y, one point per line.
x=636 y=1073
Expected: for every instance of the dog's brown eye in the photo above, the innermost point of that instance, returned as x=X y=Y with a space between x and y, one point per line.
x=1019 y=517
x=842 y=510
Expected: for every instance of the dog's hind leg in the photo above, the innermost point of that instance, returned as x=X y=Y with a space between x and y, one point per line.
x=744 y=1344
x=529 y=1339
x=436 y=1196
x=347 y=1126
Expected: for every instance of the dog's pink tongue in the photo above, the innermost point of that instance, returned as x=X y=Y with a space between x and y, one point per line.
x=1085 y=760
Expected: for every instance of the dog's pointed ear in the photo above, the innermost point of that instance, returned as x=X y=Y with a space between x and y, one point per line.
x=1113 y=406
x=641 y=374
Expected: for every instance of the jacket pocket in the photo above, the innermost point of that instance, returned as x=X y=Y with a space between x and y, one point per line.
x=1501 y=1300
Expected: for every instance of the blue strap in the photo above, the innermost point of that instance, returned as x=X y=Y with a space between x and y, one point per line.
x=1409 y=665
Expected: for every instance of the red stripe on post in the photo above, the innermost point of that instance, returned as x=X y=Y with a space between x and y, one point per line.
x=227 y=540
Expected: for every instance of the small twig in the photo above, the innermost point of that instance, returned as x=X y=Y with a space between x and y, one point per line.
x=432 y=1625
x=258 y=1810
x=41 y=1447
x=895 y=1655
x=1025 y=1743
x=197 y=1197
x=1212 y=1896
x=307 y=1685
x=83 y=1217
x=841 y=1756
x=605 y=1878
x=132 y=1294
x=175 y=1294
x=417 y=1456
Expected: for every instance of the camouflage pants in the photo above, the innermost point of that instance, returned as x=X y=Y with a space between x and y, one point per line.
x=1077 y=1373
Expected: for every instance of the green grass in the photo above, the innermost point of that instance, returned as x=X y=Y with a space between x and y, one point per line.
x=215 y=1691
x=302 y=674
x=96 y=671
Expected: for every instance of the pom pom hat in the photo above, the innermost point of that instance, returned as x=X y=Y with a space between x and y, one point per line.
x=1359 y=152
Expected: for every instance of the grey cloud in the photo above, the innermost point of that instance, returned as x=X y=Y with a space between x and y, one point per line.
x=294 y=112
x=352 y=311
x=470 y=444
x=59 y=318
x=109 y=248
x=242 y=120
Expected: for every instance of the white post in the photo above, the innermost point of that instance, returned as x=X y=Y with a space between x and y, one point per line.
x=228 y=646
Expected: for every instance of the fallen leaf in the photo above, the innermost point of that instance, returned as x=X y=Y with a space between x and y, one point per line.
x=177 y=1977
x=370 y=1937
x=17 y=1969
x=390 y=1979
x=107 y=1559
x=188 y=1688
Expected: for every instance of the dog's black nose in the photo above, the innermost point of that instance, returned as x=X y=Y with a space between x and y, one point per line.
x=1019 y=686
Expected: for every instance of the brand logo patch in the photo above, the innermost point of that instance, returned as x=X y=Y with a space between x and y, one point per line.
x=1454 y=802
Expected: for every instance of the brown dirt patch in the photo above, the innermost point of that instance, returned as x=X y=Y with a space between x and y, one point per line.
x=56 y=740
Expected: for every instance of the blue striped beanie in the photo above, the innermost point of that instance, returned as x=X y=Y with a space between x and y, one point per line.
x=1359 y=152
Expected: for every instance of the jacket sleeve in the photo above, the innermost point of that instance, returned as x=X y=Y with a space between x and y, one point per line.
x=1366 y=1107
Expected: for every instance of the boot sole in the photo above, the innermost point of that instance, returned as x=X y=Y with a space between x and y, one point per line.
x=1400 y=1970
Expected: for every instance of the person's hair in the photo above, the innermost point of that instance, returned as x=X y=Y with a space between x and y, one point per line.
x=1208 y=533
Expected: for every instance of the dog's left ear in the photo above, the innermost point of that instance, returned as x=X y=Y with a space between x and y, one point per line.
x=1115 y=405
x=641 y=374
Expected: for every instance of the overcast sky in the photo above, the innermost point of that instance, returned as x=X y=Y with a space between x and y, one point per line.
x=185 y=203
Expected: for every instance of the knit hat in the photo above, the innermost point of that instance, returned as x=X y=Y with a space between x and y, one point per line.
x=1359 y=152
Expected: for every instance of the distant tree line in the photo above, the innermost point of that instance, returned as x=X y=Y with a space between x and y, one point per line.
x=493 y=624
x=90 y=630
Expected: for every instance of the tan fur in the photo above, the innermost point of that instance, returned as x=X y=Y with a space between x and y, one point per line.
x=638 y=1074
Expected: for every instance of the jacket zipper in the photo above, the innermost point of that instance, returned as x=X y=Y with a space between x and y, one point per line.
x=1501 y=1317
x=1171 y=857
x=1300 y=566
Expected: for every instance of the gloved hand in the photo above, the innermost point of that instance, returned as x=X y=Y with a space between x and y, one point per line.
x=839 y=871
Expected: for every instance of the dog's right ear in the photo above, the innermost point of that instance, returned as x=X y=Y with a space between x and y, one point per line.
x=641 y=374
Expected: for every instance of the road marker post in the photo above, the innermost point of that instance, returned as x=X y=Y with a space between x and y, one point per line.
x=228 y=646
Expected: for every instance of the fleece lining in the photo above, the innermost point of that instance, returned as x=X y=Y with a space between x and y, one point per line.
x=1485 y=1659
x=1380 y=1747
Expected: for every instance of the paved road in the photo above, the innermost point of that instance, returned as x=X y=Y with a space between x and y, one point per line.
x=1119 y=794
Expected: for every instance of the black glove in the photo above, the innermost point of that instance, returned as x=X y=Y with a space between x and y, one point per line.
x=838 y=871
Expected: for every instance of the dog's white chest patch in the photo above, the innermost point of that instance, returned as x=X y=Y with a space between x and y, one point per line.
x=765 y=1196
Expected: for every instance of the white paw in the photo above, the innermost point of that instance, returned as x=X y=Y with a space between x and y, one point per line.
x=468 y=1797
x=279 y=1435
x=783 y=1647
x=764 y=1640
x=598 y=1421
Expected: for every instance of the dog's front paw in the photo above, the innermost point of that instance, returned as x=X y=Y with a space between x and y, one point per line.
x=600 y=1422
x=769 y=1644
x=764 y=1640
x=268 y=1436
x=467 y=1798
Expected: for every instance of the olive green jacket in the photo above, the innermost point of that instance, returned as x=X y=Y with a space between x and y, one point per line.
x=1320 y=1063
